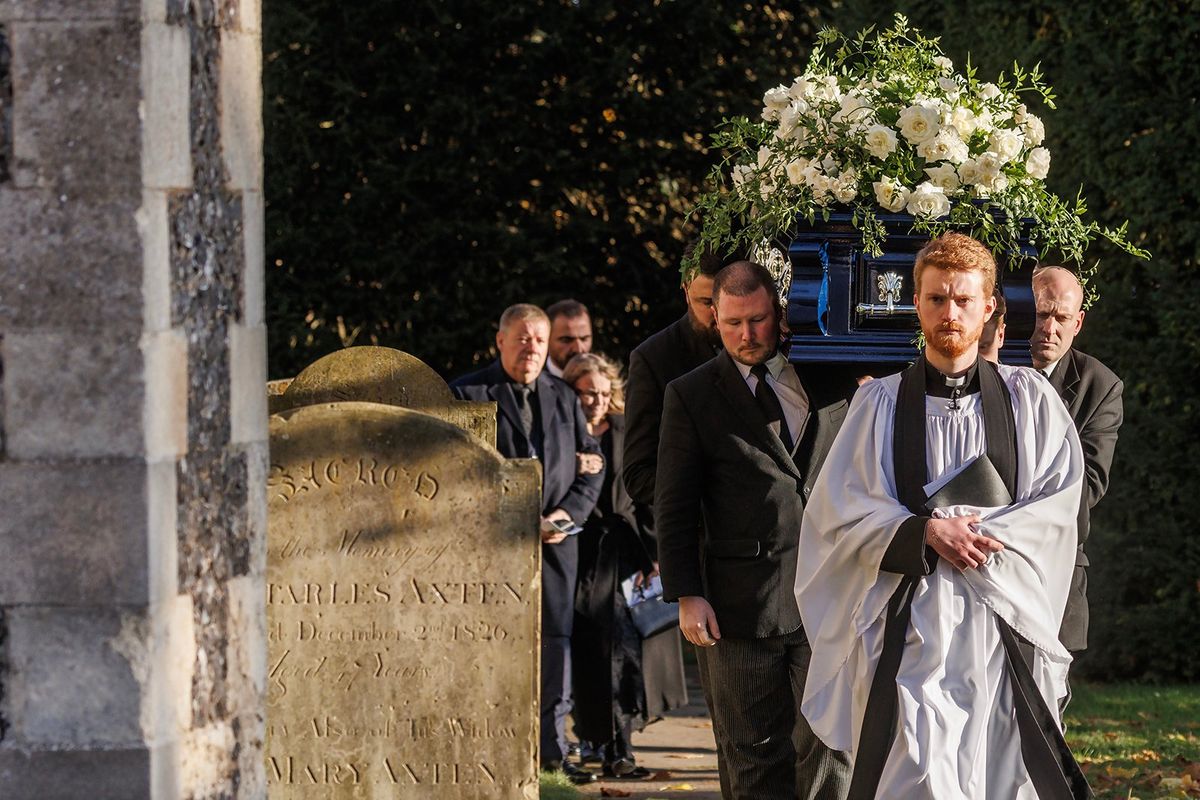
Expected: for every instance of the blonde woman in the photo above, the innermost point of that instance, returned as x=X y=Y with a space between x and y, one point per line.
x=621 y=681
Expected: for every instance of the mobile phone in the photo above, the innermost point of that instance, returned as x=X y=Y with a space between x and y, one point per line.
x=566 y=526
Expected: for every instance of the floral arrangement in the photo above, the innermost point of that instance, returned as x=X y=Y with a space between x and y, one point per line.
x=883 y=124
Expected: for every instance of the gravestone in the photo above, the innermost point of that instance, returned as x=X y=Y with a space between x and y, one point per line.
x=402 y=604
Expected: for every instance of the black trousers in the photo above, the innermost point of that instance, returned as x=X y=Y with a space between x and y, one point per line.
x=767 y=747
x=556 y=698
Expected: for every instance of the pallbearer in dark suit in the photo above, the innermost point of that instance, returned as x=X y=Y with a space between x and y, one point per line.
x=540 y=417
x=743 y=438
x=1092 y=393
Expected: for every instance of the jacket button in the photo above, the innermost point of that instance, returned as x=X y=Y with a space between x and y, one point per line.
x=807 y=491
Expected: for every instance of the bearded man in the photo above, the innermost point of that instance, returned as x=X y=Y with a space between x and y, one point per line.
x=936 y=555
x=743 y=439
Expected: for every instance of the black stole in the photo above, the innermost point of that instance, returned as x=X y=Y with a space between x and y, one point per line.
x=1053 y=769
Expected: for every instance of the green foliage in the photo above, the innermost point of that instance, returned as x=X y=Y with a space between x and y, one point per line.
x=881 y=122
x=430 y=163
x=1126 y=129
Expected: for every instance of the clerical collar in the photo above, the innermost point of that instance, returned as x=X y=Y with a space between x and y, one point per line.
x=775 y=365
x=940 y=385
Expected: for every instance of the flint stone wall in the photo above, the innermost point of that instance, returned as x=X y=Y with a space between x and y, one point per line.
x=132 y=423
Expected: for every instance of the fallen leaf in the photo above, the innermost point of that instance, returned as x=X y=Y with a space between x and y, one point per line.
x=679 y=787
x=607 y=792
x=661 y=775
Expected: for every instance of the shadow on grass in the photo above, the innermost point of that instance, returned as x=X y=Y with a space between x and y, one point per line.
x=1137 y=741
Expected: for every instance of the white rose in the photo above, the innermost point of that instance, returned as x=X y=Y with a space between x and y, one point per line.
x=818 y=183
x=964 y=121
x=845 y=188
x=854 y=109
x=741 y=173
x=801 y=88
x=990 y=91
x=880 y=141
x=1035 y=131
x=1006 y=143
x=1038 y=163
x=969 y=172
x=775 y=101
x=790 y=117
x=989 y=168
x=946 y=146
x=985 y=121
x=890 y=194
x=795 y=171
x=950 y=87
x=943 y=63
x=943 y=176
x=764 y=155
x=918 y=123
x=928 y=200
x=827 y=89
x=1019 y=113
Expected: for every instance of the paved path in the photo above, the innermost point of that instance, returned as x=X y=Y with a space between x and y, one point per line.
x=678 y=750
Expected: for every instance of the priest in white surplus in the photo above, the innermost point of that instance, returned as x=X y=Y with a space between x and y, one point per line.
x=935 y=557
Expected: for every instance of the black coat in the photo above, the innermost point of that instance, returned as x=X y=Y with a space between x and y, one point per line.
x=674 y=351
x=612 y=546
x=1092 y=394
x=719 y=463
x=563 y=433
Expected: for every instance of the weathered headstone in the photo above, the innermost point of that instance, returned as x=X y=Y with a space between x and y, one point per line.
x=402 y=608
x=382 y=375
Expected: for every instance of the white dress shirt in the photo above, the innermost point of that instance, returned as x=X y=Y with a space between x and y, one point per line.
x=782 y=377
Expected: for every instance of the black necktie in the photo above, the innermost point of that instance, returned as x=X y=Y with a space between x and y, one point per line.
x=768 y=403
x=524 y=410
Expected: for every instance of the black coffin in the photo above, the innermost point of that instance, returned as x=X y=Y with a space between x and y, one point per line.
x=845 y=306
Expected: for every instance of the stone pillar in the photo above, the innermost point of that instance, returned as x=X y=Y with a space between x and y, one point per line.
x=133 y=428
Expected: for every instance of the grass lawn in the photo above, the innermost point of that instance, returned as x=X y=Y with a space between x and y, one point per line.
x=556 y=786
x=1138 y=742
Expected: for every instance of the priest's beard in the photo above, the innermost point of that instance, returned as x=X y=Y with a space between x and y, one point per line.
x=952 y=340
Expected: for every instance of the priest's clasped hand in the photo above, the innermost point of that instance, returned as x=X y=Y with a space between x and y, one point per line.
x=956 y=539
x=698 y=621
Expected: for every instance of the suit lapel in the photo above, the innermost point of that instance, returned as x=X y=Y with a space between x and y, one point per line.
x=503 y=395
x=733 y=386
x=1068 y=389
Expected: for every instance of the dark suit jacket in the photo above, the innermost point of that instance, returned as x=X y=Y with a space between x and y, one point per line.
x=563 y=434
x=674 y=351
x=1092 y=394
x=719 y=463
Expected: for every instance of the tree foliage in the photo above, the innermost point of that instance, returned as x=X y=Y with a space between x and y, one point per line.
x=431 y=162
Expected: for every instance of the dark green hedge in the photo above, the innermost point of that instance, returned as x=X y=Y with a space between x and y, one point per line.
x=429 y=163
